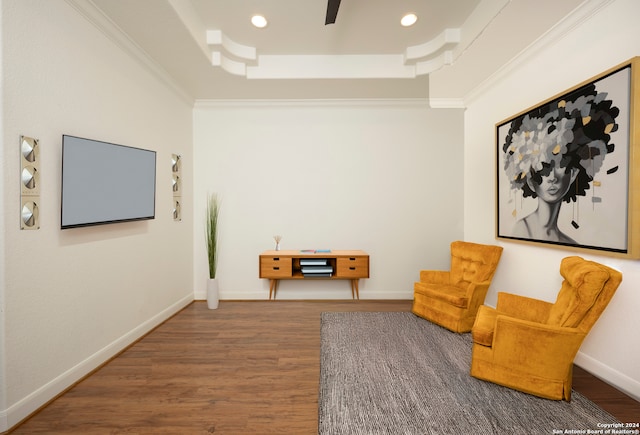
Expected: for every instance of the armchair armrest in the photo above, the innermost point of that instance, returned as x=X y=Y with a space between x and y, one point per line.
x=477 y=292
x=523 y=307
x=434 y=276
x=543 y=349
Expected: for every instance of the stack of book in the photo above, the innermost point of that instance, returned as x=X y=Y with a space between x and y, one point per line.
x=316 y=268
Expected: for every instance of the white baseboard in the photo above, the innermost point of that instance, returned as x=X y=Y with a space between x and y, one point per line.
x=4 y=421
x=34 y=401
x=611 y=376
x=326 y=294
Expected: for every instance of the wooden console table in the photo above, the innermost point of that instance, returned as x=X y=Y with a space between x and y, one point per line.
x=277 y=265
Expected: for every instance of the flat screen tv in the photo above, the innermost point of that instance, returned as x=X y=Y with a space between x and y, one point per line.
x=104 y=183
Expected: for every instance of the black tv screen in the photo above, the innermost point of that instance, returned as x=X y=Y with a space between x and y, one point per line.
x=104 y=183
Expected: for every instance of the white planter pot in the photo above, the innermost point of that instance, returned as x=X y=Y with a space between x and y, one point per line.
x=213 y=294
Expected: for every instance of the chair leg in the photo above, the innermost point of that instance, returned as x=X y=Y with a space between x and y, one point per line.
x=568 y=385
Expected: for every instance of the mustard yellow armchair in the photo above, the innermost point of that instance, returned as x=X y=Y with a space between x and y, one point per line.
x=528 y=344
x=452 y=298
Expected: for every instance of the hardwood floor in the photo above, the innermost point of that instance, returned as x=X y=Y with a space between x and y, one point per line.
x=245 y=368
x=616 y=403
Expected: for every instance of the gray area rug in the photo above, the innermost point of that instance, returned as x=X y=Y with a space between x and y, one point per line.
x=395 y=373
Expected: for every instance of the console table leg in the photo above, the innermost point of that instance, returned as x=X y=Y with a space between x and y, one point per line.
x=355 y=292
x=273 y=287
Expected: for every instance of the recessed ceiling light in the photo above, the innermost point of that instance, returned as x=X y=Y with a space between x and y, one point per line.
x=409 y=20
x=259 y=21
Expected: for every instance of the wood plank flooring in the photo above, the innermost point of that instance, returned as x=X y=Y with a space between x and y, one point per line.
x=245 y=368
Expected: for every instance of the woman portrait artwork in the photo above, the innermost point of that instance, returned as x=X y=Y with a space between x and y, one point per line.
x=563 y=168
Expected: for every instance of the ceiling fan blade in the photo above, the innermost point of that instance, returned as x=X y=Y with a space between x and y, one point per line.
x=332 y=11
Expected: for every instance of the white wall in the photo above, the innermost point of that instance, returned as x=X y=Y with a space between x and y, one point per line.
x=73 y=298
x=610 y=37
x=383 y=176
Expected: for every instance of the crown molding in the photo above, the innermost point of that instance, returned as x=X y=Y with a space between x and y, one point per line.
x=447 y=103
x=106 y=26
x=577 y=17
x=272 y=103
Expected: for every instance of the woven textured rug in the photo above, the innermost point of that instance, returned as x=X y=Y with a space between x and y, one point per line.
x=395 y=373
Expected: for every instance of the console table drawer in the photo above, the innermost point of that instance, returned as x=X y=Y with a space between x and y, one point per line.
x=275 y=267
x=352 y=267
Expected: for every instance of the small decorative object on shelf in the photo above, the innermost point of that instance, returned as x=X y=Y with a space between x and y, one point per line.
x=277 y=239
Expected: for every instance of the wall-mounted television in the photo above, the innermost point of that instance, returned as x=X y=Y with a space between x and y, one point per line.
x=104 y=183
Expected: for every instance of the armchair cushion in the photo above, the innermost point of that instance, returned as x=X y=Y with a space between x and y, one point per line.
x=582 y=284
x=472 y=265
x=454 y=295
x=435 y=276
x=524 y=307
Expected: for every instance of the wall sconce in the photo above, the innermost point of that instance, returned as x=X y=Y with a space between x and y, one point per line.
x=176 y=186
x=176 y=209
x=29 y=183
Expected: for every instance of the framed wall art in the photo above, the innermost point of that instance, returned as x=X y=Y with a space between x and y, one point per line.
x=568 y=168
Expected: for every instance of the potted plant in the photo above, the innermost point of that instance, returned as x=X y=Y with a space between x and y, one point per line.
x=211 y=237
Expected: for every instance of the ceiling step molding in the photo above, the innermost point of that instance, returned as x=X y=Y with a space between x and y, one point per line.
x=331 y=67
x=231 y=56
x=448 y=39
x=245 y=52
